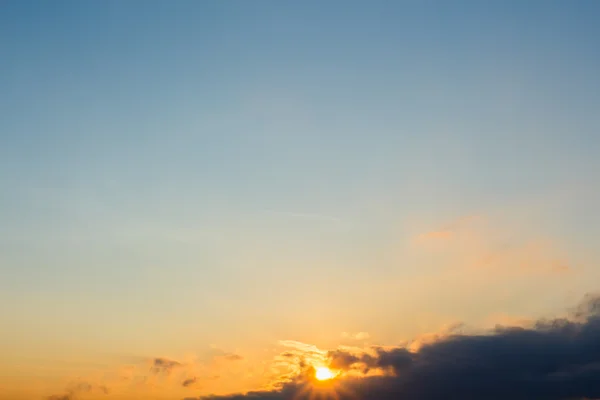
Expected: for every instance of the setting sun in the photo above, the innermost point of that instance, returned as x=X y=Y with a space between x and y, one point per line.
x=323 y=374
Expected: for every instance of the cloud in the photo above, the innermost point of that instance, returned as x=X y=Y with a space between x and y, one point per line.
x=300 y=353
x=163 y=366
x=66 y=396
x=555 y=359
x=189 y=382
x=220 y=354
x=448 y=231
x=74 y=389
x=532 y=256
x=356 y=336
x=233 y=357
x=302 y=347
x=433 y=337
x=499 y=247
x=293 y=361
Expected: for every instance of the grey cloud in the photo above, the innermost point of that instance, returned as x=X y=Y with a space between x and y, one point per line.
x=398 y=359
x=216 y=353
x=164 y=366
x=66 y=396
x=74 y=389
x=189 y=382
x=557 y=359
x=233 y=357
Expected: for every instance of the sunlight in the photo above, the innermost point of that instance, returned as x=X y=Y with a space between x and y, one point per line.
x=323 y=374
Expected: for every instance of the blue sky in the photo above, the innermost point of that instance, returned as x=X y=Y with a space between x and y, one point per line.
x=224 y=163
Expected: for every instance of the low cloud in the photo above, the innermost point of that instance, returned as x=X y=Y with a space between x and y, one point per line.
x=554 y=359
x=75 y=389
x=233 y=357
x=164 y=366
x=189 y=382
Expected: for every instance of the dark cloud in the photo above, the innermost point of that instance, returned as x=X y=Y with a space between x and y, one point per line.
x=189 y=382
x=233 y=357
x=397 y=360
x=556 y=359
x=163 y=366
x=74 y=389
x=66 y=396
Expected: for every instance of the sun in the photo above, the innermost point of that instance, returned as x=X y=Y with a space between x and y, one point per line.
x=323 y=374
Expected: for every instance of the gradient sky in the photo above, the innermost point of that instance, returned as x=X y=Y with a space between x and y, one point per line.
x=195 y=179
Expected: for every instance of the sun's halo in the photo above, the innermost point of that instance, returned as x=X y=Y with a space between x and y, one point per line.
x=323 y=374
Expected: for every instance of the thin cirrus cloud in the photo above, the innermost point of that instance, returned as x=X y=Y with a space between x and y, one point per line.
x=554 y=359
x=232 y=357
x=356 y=336
x=450 y=230
x=492 y=246
x=302 y=351
x=219 y=354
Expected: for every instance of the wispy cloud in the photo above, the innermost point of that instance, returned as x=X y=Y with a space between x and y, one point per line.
x=220 y=354
x=304 y=349
x=233 y=357
x=75 y=389
x=164 y=366
x=356 y=336
x=529 y=257
x=449 y=231
x=189 y=382
x=495 y=247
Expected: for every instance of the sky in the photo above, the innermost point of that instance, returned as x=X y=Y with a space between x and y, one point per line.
x=210 y=198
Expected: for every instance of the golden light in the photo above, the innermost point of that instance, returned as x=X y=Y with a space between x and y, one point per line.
x=322 y=384
x=323 y=374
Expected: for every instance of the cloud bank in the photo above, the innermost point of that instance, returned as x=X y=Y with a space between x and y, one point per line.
x=557 y=359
